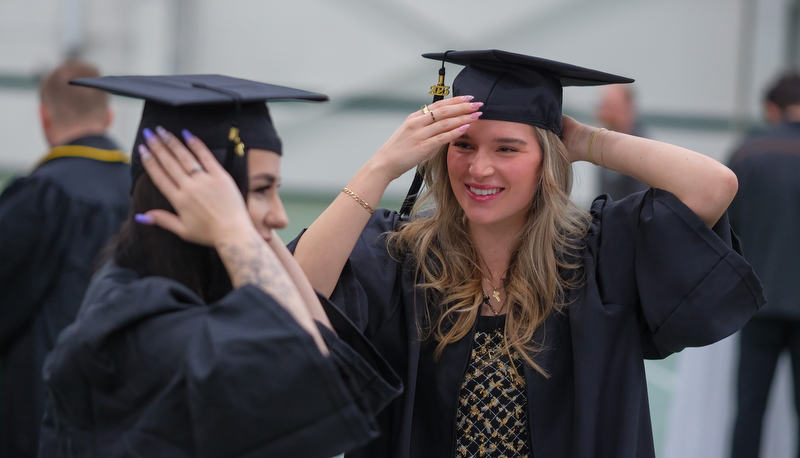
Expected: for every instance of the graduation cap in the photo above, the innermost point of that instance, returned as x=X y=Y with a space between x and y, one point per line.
x=519 y=88
x=228 y=114
x=514 y=87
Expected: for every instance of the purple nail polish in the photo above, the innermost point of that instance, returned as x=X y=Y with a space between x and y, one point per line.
x=144 y=152
x=142 y=218
x=476 y=105
x=187 y=135
x=148 y=134
x=475 y=115
x=163 y=133
x=467 y=98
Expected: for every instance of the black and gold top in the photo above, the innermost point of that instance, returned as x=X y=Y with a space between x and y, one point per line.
x=491 y=420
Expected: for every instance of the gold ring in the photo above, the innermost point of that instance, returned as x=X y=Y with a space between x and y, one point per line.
x=196 y=168
x=425 y=109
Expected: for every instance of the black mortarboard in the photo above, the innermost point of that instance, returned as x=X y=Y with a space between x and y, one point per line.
x=228 y=114
x=519 y=88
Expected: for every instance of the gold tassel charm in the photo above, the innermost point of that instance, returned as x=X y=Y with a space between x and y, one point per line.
x=233 y=135
x=439 y=89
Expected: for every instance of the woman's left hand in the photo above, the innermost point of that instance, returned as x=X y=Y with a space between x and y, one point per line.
x=575 y=137
x=210 y=208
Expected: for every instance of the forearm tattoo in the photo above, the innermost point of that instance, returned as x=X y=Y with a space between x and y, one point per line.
x=251 y=262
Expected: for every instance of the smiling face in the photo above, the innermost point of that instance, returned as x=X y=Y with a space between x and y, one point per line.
x=263 y=202
x=494 y=169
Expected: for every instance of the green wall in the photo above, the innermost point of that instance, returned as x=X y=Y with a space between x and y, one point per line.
x=303 y=209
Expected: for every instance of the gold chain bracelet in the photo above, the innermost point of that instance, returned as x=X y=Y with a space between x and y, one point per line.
x=359 y=200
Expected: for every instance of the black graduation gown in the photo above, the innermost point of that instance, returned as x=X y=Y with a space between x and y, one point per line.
x=766 y=214
x=657 y=280
x=53 y=224
x=148 y=370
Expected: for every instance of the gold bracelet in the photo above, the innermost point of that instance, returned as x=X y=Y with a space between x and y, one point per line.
x=602 y=144
x=591 y=141
x=359 y=200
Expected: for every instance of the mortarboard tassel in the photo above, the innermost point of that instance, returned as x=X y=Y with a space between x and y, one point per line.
x=438 y=90
x=234 y=161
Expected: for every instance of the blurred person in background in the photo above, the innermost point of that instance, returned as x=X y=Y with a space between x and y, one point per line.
x=53 y=224
x=617 y=112
x=766 y=216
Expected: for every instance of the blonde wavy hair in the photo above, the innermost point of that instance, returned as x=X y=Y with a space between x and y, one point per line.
x=543 y=266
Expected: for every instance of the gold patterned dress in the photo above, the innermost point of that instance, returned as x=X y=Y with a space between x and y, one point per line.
x=491 y=420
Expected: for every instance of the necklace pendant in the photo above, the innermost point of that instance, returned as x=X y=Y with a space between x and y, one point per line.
x=496 y=295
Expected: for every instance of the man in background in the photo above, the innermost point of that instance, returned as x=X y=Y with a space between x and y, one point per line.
x=53 y=225
x=617 y=112
x=766 y=216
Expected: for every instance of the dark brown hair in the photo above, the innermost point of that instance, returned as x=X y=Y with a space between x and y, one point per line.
x=785 y=90
x=153 y=251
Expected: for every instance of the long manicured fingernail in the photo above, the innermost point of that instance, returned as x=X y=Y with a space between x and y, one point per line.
x=144 y=152
x=475 y=115
x=148 y=134
x=187 y=135
x=467 y=98
x=142 y=218
x=476 y=105
x=163 y=134
x=463 y=128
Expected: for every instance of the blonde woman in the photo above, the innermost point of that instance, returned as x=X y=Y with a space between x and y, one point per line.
x=518 y=320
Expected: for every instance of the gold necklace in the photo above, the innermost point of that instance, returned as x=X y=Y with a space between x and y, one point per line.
x=495 y=292
x=495 y=295
x=491 y=307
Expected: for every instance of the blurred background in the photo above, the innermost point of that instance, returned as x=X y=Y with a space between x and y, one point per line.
x=701 y=67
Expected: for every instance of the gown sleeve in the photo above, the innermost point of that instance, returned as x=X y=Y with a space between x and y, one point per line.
x=256 y=379
x=689 y=282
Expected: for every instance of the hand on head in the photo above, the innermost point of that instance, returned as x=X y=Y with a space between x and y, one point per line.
x=210 y=208
x=576 y=137
x=424 y=131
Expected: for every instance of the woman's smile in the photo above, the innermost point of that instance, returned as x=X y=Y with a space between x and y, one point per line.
x=483 y=193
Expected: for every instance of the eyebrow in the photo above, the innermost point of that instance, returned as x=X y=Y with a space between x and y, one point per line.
x=518 y=141
x=267 y=177
x=511 y=140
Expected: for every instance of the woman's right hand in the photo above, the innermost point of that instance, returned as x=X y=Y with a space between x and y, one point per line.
x=422 y=133
x=325 y=246
x=210 y=208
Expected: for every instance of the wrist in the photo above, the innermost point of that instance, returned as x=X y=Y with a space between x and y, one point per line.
x=374 y=174
x=233 y=233
x=594 y=150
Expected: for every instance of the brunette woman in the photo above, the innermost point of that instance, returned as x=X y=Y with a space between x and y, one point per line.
x=201 y=337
